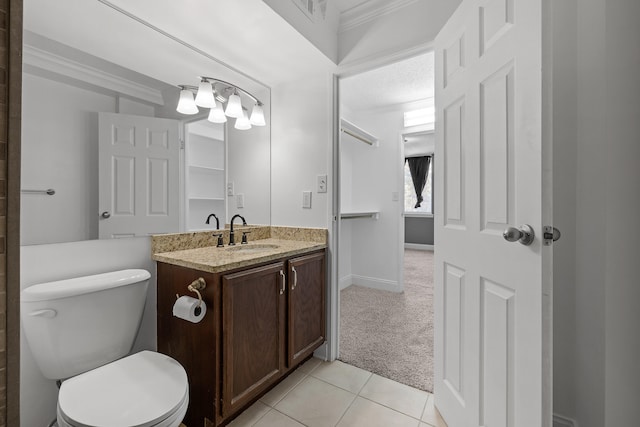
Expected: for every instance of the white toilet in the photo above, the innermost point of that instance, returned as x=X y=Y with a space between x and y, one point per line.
x=79 y=331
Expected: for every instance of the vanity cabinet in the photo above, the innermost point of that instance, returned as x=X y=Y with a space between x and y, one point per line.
x=262 y=321
x=306 y=326
x=253 y=308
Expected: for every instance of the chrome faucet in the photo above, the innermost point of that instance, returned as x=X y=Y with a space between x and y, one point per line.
x=231 y=234
x=217 y=221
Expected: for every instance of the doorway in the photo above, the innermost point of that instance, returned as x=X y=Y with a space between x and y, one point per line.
x=377 y=303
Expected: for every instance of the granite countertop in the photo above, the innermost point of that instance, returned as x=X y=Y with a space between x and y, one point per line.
x=214 y=260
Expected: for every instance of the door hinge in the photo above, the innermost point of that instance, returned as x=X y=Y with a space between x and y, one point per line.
x=182 y=144
x=549 y=235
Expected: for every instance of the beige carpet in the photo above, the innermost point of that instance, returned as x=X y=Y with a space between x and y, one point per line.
x=391 y=334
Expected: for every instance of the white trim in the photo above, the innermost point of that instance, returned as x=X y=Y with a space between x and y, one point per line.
x=375 y=283
x=345 y=282
x=379 y=59
x=418 y=247
x=363 y=13
x=560 y=421
x=45 y=60
x=417 y=215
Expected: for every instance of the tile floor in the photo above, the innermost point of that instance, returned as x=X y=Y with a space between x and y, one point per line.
x=321 y=394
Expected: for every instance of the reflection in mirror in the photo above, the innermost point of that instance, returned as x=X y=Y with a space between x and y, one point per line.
x=100 y=127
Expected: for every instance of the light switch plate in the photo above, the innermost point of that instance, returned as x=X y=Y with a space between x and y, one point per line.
x=240 y=201
x=306 y=199
x=322 y=183
x=229 y=188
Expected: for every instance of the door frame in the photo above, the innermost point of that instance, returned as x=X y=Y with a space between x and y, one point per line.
x=333 y=298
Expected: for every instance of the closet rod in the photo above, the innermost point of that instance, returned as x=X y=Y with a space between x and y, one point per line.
x=348 y=132
x=49 y=192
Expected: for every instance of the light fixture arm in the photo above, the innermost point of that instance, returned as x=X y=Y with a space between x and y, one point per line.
x=247 y=93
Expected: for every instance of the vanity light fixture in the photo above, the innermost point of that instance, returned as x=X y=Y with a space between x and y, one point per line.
x=242 y=122
x=234 y=106
x=212 y=93
x=186 y=104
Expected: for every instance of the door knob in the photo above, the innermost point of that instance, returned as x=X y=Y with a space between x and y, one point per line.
x=524 y=234
x=105 y=215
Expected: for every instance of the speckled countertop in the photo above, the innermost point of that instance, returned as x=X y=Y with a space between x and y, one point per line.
x=202 y=254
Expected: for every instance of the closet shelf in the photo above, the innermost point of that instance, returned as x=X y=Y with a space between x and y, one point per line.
x=205 y=168
x=354 y=215
x=206 y=198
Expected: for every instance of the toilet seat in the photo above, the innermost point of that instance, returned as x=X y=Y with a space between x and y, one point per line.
x=143 y=390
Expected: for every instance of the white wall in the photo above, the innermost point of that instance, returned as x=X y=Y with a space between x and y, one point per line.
x=60 y=151
x=40 y=263
x=564 y=206
x=622 y=200
x=322 y=31
x=405 y=29
x=301 y=139
x=607 y=375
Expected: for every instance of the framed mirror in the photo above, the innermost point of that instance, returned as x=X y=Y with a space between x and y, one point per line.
x=76 y=77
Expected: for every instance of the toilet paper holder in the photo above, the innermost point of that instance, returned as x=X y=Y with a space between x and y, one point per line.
x=196 y=286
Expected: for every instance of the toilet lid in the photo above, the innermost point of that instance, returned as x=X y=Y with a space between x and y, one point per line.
x=138 y=391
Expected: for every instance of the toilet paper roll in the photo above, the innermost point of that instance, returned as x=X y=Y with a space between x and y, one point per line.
x=187 y=308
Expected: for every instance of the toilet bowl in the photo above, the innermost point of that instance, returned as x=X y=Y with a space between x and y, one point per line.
x=81 y=330
x=145 y=389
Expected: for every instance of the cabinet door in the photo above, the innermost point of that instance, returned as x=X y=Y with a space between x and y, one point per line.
x=306 y=305
x=253 y=310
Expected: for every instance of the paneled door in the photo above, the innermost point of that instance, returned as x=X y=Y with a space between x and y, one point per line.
x=493 y=296
x=138 y=176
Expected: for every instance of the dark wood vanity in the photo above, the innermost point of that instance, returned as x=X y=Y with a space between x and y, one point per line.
x=262 y=321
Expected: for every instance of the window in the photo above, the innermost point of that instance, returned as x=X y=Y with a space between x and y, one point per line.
x=421 y=116
x=410 y=198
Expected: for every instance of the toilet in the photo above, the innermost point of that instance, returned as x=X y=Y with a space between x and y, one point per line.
x=80 y=330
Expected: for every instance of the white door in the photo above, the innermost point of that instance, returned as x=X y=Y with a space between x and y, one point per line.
x=138 y=176
x=493 y=297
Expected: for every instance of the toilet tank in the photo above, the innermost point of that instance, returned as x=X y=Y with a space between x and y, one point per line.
x=75 y=325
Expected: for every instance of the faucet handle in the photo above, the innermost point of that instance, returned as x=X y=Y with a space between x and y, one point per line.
x=244 y=237
x=220 y=241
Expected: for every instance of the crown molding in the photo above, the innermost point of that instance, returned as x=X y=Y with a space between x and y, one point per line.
x=369 y=11
x=57 y=64
x=379 y=59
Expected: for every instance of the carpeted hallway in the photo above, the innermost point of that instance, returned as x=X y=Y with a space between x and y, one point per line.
x=391 y=334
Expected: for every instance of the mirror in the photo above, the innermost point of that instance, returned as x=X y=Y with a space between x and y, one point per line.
x=75 y=73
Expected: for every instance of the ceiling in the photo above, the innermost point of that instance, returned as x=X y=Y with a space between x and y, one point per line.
x=403 y=82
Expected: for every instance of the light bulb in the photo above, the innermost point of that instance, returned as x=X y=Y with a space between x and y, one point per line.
x=242 y=122
x=234 y=106
x=186 y=104
x=204 y=97
x=216 y=115
x=257 y=116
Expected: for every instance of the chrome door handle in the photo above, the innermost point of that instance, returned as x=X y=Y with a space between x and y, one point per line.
x=295 y=278
x=524 y=234
x=284 y=286
x=105 y=214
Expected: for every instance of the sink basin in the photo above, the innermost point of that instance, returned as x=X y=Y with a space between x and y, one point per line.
x=252 y=248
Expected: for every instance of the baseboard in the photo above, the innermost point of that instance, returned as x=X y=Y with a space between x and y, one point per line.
x=560 y=421
x=418 y=246
x=375 y=283
x=345 y=282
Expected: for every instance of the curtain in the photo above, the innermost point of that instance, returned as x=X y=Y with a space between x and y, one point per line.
x=419 y=167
